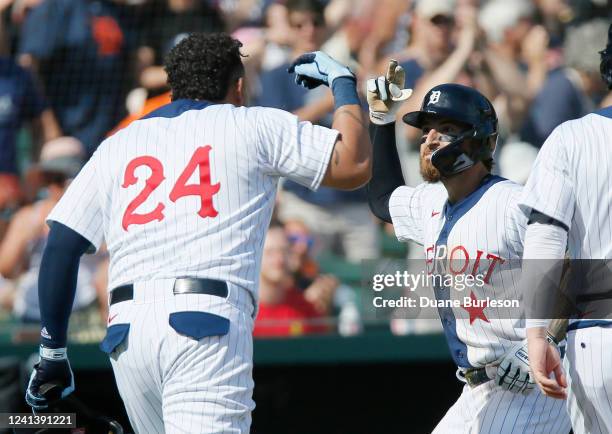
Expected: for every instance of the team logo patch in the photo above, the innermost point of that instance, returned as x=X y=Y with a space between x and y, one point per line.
x=434 y=97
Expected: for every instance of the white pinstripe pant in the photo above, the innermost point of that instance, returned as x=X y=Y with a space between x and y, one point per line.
x=588 y=364
x=489 y=409
x=171 y=383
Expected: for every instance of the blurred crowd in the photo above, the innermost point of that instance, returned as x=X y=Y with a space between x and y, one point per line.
x=74 y=71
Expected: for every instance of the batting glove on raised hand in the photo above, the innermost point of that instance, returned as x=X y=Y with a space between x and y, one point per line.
x=386 y=94
x=317 y=68
x=514 y=373
x=51 y=380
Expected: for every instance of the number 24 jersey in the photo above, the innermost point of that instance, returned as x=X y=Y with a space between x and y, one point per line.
x=189 y=190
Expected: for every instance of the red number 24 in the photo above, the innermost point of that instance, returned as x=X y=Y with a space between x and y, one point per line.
x=199 y=160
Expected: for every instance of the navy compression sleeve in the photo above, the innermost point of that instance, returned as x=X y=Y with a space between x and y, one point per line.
x=386 y=170
x=57 y=282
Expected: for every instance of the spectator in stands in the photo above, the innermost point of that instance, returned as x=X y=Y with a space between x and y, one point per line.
x=78 y=49
x=430 y=39
x=20 y=103
x=165 y=26
x=318 y=289
x=388 y=32
x=238 y=13
x=266 y=47
x=283 y=310
x=431 y=58
x=278 y=89
x=571 y=91
x=515 y=58
x=301 y=264
x=277 y=38
x=21 y=250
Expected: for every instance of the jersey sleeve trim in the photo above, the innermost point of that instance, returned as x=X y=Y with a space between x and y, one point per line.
x=89 y=236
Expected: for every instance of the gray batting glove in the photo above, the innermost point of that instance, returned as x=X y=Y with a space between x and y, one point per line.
x=317 y=68
x=513 y=372
x=386 y=94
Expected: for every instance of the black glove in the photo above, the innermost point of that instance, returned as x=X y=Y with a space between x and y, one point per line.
x=51 y=380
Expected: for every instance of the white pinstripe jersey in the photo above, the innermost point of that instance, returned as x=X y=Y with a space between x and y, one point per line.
x=189 y=190
x=485 y=230
x=570 y=182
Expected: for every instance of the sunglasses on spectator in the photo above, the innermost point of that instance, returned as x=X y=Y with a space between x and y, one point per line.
x=442 y=20
x=299 y=238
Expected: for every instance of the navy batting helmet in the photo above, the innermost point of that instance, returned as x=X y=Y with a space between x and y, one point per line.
x=464 y=105
x=606 y=61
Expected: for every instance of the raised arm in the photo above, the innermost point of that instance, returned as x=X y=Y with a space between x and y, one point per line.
x=350 y=164
x=386 y=170
x=385 y=95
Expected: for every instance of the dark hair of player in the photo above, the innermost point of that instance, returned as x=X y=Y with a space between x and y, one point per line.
x=203 y=66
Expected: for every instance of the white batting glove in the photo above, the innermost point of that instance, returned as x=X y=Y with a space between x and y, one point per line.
x=386 y=94
x=513 y=373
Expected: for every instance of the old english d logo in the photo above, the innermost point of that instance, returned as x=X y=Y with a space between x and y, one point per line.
x=434 y=97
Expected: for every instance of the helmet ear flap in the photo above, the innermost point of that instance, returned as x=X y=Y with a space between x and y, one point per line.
x=484 y=148
x=492 y=142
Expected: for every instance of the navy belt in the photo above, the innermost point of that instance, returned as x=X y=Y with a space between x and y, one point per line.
x=185 y=285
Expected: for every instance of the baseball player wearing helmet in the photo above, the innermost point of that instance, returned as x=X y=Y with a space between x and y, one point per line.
x=568 y=200
x=463 y=213
x=183 y=198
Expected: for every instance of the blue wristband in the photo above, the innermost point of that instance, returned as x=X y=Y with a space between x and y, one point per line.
x=345 y=91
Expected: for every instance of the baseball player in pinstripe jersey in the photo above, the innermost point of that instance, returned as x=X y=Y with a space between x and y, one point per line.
x=568 y=201
x=463 y=215
x=183 y=199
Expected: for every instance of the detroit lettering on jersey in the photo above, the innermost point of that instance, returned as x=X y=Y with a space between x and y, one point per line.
x=189 y=190
x=481 y=234
x=439 y=260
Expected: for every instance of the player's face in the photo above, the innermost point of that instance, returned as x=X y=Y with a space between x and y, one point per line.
x=436 y=134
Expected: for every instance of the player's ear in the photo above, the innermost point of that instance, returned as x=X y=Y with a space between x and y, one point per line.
x=240 y=91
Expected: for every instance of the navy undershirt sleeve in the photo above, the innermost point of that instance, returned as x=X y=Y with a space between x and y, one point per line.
x=57 y=282
x=386 y=170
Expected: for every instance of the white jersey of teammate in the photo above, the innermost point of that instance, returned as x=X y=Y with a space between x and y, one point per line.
x=485 y=230
x=188 y=191
x=570 y=182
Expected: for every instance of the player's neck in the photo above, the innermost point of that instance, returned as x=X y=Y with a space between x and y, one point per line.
x=462 y=185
